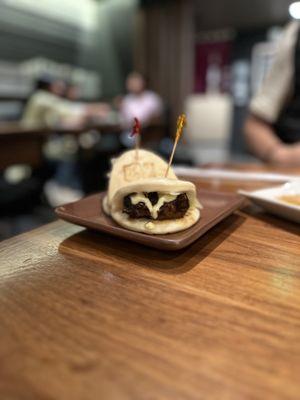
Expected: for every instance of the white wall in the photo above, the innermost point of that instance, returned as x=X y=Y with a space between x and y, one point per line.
x=108 y=47
x=94 y=35
x=76 y=12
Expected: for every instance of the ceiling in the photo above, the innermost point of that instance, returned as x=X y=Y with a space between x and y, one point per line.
x=219 y=14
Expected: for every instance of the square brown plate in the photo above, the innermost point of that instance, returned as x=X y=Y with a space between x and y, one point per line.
x=88 y=212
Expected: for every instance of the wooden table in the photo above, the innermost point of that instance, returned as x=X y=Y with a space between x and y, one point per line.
x=21 y=145
x=15 y=128
x=86 y=316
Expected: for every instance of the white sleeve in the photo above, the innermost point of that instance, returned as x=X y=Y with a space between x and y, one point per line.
x=268 y=102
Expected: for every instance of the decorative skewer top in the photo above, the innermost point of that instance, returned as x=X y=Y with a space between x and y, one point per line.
x=136 y=129
x=181 y=123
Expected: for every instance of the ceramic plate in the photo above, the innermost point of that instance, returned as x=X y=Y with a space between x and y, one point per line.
x=270 y=200
x=88 y=212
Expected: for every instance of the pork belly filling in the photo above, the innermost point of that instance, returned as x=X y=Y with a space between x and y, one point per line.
x=156 y=206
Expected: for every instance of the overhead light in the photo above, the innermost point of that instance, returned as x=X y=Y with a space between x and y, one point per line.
x=294 y=10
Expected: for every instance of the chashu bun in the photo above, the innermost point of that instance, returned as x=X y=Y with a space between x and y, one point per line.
x=146 y=174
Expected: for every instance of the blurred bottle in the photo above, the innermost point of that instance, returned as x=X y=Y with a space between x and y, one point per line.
x=213 y=74
x=240 y=82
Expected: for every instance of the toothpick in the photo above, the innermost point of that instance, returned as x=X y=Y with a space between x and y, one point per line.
x=137 y=145
x=181 y=122
x=136 y=131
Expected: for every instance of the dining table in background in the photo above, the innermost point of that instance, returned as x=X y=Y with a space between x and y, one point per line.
x=16 y=128
x=87 y=316
x=19 y=145
x=23 y=145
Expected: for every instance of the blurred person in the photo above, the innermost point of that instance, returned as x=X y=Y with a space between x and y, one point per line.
x=72 y=92
x=272 y=129
x=48 y=106
x=93 y=112
x=139 y=102
x=58 y=87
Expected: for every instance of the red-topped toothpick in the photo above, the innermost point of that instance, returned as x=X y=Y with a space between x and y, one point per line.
x=136 y=131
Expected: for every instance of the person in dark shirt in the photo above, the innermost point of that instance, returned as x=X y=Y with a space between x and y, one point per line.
x=272 y=129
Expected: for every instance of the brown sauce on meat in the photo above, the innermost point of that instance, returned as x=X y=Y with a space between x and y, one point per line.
x=171 y=210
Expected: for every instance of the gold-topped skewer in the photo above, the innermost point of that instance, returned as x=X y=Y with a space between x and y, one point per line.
x=181 y=123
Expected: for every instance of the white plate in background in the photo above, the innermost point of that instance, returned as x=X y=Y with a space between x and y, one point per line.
x=269 y=199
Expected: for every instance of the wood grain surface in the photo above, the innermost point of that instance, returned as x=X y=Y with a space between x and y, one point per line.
x=87 y=316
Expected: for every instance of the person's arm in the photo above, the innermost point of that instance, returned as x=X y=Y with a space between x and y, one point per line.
x=264 y=143
x=267 y=104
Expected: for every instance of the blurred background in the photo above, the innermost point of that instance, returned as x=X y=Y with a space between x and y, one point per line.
x=73 y=74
